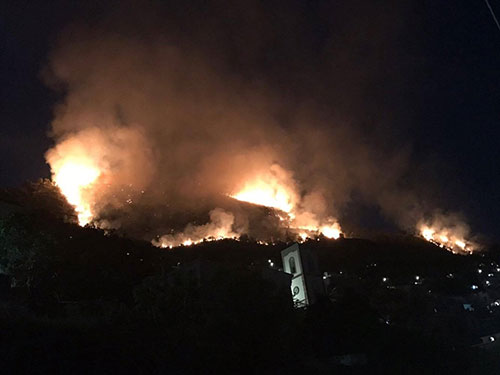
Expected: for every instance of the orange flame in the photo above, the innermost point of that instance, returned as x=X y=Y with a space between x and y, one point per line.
x=81 y=160
x=265 y=195
x=449 y=238
x=331 y=231
x=73 y=177
x=75 y=172
x=274 y=188
x=278 y=190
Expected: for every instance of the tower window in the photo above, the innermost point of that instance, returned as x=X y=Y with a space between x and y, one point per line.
x=291 y=263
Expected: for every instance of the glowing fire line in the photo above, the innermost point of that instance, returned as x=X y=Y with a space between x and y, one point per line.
x=446 y=238
x=264 y=195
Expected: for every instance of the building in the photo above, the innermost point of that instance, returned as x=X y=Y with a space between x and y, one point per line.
x=307 y=282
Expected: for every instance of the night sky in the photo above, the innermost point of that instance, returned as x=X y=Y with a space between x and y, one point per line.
x=438 y=90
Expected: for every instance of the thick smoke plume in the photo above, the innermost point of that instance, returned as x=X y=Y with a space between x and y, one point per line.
x=179 y=106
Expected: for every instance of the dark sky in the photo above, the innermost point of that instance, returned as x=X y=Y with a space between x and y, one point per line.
x=439 y=93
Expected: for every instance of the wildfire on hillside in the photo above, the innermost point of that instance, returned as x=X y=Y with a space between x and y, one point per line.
x=277 y=189
x=79 y=172
x=87 y=166
x=174 y=122
x=450 y=237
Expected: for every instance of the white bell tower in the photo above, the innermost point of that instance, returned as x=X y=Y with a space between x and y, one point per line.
x=307 y=283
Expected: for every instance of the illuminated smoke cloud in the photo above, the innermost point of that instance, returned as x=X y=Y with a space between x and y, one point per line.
x=177 y=108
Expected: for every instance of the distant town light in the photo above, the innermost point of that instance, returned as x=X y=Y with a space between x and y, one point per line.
x=488 y=283
x=417 y=278
x=474 y=287
x=479 y=270
x=468 y=307
x=384 y=279
x=492 y=338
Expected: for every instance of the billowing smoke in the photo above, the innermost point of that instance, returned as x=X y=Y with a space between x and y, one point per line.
x=176 y=107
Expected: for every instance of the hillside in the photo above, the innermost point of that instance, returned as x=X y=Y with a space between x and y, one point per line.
x=83 y=300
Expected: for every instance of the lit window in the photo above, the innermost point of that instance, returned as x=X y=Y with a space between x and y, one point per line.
x=291 y=263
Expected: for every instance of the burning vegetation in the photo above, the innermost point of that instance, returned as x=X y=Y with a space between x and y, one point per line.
x=101 y=167
x=79 y=178
x=449 y=232
x=220 y=227
x=277 y=190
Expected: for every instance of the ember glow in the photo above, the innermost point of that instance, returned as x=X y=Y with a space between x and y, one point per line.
x=220 y=227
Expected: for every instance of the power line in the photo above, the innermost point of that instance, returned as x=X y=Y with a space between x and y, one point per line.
x=492 y=13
